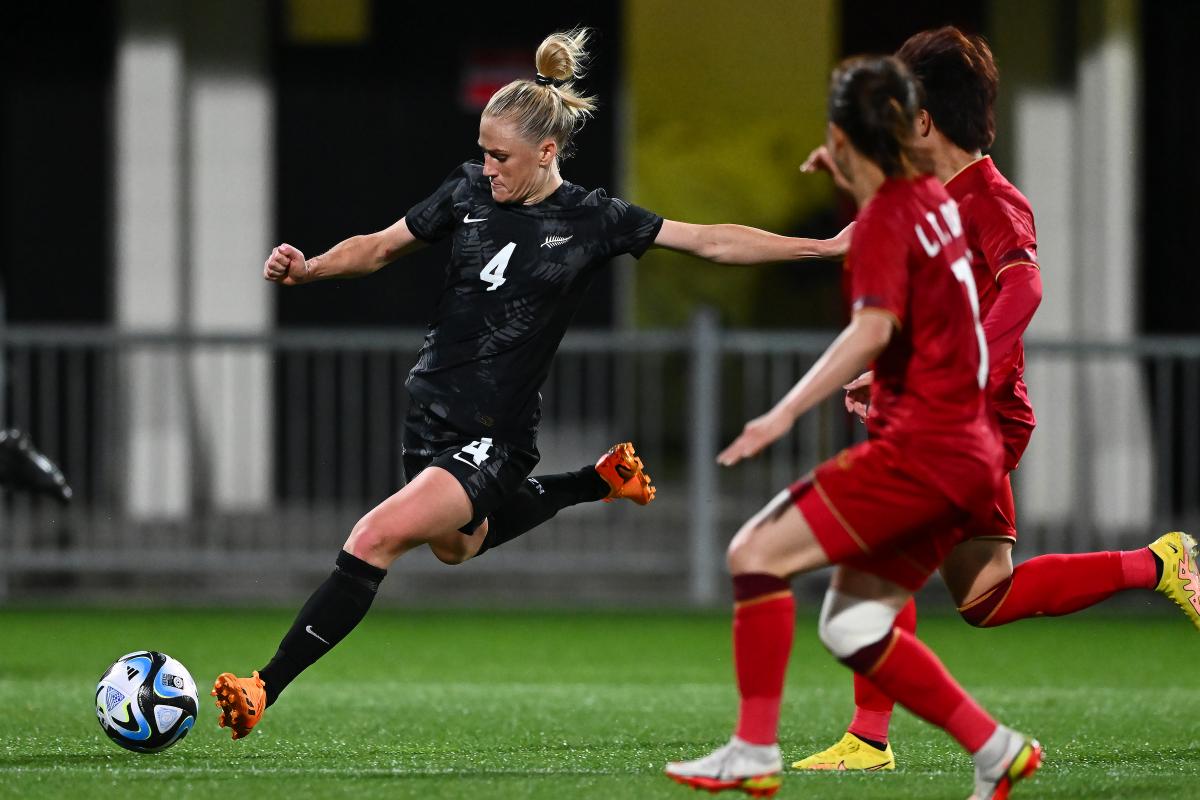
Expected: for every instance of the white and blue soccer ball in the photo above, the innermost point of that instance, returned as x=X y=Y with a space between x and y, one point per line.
x=146 y=701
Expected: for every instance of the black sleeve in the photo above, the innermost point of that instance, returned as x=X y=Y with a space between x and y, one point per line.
x=632 y=229
x=433 y=218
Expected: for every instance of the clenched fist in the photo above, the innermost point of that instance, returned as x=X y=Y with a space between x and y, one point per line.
x=286 y=265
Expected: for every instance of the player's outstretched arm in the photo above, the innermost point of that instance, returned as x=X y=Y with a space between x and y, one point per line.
x=351 y=258
x=857 y=346
x=738 y=244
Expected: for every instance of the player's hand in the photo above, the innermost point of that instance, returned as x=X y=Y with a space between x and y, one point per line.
x=285 y=266
x=841 y=243
x=818 y=161
x=858 y=395
x=758 y=434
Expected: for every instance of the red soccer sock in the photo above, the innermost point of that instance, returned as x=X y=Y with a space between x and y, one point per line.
x=905 y=669
x=1054 y=585
x=764 y=619
x=872 y=707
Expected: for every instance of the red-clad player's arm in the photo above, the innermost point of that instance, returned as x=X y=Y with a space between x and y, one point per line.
x=1008 y=241
x=1020 y=293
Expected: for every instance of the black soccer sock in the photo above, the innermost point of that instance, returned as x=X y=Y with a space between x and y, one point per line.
x=538 y=500
x=334 y=609
x=878 y=745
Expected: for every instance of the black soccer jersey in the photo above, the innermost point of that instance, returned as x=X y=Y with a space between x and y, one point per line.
x=515 y=278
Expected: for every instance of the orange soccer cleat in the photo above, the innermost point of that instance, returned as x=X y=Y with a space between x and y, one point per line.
x=242 y=702
x=623 y=471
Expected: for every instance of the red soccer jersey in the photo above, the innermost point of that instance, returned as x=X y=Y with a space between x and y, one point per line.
x=998 y=223
x=908 y=259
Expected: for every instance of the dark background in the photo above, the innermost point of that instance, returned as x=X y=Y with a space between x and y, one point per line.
x=364 y=131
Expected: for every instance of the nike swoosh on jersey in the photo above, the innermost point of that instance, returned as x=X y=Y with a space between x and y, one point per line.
x=467 y=218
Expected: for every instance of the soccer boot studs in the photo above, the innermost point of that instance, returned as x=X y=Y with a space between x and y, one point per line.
x=738 y=766
x=1180 y=581
x=625 y=475
x=850 y=754
x=242 y=702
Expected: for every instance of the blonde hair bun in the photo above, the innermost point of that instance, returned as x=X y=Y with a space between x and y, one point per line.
x=550 y=107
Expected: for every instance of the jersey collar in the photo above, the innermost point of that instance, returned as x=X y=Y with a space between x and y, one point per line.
x=968 y=167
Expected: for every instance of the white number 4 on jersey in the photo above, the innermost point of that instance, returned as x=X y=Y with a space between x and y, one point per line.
x=478 y=451
x=493 y=273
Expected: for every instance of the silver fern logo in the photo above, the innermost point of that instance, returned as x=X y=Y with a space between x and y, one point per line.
x=555 y=241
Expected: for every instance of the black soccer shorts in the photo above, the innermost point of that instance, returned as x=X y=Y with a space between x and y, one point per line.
x=490 y=471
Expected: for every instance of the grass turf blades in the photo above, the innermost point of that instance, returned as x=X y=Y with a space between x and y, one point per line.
x=542 y=705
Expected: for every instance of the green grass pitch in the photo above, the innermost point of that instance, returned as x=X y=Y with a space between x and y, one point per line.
x=578 y=705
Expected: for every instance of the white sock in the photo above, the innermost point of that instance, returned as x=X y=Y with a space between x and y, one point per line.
x=997 y=753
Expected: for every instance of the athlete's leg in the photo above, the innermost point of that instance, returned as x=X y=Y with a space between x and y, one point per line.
x=857 y=624
x=775 y=544
x=990 y=592
x=430 y=509
x=861 y=605
x=776 y=541
x=537 y=501
x=976 y=566
x=865 y=745
x=618 y=474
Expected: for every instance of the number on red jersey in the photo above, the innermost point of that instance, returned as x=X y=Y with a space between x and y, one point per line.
x=961 y=268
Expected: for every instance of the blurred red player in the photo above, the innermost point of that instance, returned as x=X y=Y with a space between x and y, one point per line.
x=956 y=123
x=887 y=511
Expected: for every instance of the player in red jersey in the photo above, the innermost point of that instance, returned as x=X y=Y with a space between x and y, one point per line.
x=958 y=78
x=886 y=511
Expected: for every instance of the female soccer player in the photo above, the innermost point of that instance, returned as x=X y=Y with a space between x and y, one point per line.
x=956 y=123
x=886 y=511
x=525 y=244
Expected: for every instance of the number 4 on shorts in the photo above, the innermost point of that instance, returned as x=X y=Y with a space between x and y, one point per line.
x=478 y=451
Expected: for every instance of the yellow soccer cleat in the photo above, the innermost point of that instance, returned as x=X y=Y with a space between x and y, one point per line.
x=242 y=702
x=851 y=753
x=625 y=475
x=1180 y=581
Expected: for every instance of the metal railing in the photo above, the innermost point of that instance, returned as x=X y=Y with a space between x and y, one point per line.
x=237 y=463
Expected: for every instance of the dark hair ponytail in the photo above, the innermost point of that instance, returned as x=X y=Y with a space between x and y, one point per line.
x=874 y=100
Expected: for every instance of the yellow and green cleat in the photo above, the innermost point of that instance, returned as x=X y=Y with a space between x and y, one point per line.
x=850 y=754
x=1180 y=580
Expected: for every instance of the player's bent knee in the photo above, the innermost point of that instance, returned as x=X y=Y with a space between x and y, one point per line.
x=856 y=631
x=980 y=611
x=369 y=539
x=742 y=556
x=744 y=553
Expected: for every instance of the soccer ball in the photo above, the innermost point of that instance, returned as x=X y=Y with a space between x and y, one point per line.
x=146 y=701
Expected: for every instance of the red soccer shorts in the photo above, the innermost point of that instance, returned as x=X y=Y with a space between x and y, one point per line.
x=1001 y=521
x=868 y=510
